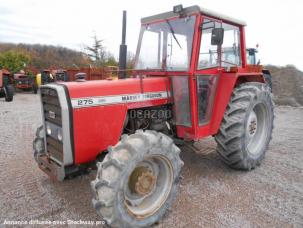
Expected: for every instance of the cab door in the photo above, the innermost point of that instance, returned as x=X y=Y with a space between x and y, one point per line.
x=212 y=59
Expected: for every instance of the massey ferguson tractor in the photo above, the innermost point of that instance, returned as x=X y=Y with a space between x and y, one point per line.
x=183 y=88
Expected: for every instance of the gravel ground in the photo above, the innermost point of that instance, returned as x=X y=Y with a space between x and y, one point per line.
x=210 y=194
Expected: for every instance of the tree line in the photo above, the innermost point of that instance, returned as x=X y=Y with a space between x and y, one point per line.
x=15 y=57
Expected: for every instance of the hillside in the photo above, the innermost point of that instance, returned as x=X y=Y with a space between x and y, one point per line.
x=45 y=56
x=287 y=85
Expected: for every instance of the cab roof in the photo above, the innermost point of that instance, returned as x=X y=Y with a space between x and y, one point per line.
x=190 y=10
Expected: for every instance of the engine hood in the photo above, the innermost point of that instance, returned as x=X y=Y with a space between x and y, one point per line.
x=85 y=89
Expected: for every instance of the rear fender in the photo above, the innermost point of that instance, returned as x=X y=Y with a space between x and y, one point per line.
x=226 y=85
x=249 y=78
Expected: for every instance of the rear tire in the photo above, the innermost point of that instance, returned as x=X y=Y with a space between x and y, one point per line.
x=137 y=181
x=268 y=80
x=246 y=128
x=8 y=93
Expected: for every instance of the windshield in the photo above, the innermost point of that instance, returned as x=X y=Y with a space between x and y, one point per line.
x=166 y=45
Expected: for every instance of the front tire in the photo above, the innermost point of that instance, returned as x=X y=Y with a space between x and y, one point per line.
x=137 y=181
x=246 y=128
x=38 y=143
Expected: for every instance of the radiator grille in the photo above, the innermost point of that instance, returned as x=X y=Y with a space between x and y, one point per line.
x=52 y=114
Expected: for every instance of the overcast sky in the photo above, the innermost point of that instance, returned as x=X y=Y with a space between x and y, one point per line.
x=273 y=24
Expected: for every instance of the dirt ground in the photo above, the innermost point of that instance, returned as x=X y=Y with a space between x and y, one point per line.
x=210 y=194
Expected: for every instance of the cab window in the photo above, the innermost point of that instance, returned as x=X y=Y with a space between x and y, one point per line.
x=209 y=56
x=231 y=54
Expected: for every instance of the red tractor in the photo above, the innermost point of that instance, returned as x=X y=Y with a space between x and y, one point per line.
x=184 y=88
x=25 y=82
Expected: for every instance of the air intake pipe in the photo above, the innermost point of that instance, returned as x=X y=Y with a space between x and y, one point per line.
x=123 y=50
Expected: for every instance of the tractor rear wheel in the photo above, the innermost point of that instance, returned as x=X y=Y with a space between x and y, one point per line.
x=268 y=80
x=246 y=128
x=8 y=93
x=137 y=180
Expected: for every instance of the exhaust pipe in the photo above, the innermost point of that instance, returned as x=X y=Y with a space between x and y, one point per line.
x=123 y=50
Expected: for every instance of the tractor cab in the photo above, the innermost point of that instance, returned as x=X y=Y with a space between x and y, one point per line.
x=47 y=76
x=61 y=75
x=196 y=48
x=44 y=77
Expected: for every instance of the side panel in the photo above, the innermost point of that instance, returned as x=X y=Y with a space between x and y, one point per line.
x=96 y=128
x=100 y=107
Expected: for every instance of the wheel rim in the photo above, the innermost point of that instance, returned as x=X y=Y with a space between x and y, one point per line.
x=148 y=186
x=257 y=129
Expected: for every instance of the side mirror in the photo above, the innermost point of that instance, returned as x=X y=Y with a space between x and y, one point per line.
x=217 y=35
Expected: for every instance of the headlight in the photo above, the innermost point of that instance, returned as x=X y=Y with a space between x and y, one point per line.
x=59 y=134
x=48 y=129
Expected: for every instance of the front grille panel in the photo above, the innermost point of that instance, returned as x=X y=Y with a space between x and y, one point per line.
x=52 y=114
x=24 y=81
x=51 y=106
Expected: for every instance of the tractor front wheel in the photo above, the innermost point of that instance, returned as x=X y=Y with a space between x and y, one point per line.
x=137 y=180
x=38 y=143
x=246 y=128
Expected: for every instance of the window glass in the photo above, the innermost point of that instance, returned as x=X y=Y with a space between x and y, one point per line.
x=181 y=100
x=151 y=52
x=206 y=89
x=177 y=56
x=179 y=43
x=166 y=45
x=208 y=56
x=231 y=46
x=230 y=49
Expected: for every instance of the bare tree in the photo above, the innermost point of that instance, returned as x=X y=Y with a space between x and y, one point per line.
x=97 y=51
